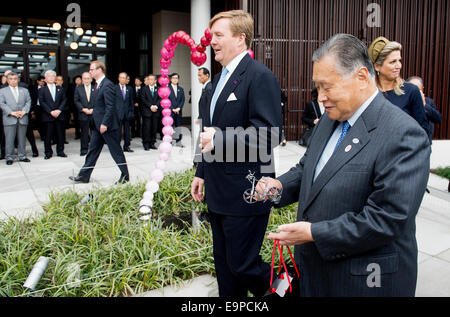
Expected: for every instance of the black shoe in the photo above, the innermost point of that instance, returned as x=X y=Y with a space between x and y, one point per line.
x=26 y=160
x=78 y=179
x=2 y=157
x=127 y=149
x=146 y=148
x=153 y=147
x=9 y=162
x=83 y=153
x=62 y=154
x=123 y=179
x=35 y=154
x=65 y=142
x=47 y=157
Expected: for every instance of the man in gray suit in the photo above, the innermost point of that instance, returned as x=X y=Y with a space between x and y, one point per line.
x=359 y=184
x=15 y=103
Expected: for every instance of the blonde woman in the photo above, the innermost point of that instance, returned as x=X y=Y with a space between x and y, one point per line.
x=387 y=60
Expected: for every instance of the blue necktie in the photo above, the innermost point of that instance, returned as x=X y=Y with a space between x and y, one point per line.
x=217 y=91
x=345 y=129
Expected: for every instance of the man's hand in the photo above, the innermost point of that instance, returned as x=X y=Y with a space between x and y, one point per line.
x=103 y=128
x=21 y=113
x=55 y=113
x=136 y=105
x=197 y=188
x=154 y=108
x=266 y=184
x=86 y=111
x=315 y=121
x=176 y=110
x=14 y=114
x=206 y=139
x=423 y=98
x=293 y=233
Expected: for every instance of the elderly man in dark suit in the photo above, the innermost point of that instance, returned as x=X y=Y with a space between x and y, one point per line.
x=107 y=126
x=240 y=113
x=151 y=113
x=359 y=184
x=83 y=102
x=125 y=108
x=52 y=100
x=177 y=99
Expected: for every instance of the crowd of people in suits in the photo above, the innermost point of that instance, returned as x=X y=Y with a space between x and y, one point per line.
x=51 y=109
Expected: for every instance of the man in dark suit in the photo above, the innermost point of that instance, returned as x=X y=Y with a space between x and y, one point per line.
x=359 y=185
x=204 y=79
x=243 y=113
x=136 y=124
x=151 y=113
x=83 y=102
x=34 y=94
x=106 y=126
x=177 y=99
x=52 y=100
x=125 y=108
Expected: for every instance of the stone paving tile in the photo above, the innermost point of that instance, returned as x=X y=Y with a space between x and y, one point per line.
x=433 y=278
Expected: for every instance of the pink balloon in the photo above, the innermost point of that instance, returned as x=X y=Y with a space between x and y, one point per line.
x=164 y=71
x=168 y=45
x=166 y=103
x=167 y=138
x=157 y=175
x=204 y=41
x=152 y=186
x=164 y=92
x=201 y=48
x=165 y=147
x=167 y=130
x=163 y=80
x=164 y=156
x=167 y=121
x=250 y=52
x=165 y=54
x=161 y=165
x=198 y=58
x=179 y=36
x=166 y=112
x=165 y=63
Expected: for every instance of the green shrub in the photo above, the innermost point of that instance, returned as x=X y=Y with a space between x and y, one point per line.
x=116 y=253
x=443 y=172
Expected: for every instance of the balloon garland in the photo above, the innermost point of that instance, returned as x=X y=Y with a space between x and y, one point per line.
x=198 y=57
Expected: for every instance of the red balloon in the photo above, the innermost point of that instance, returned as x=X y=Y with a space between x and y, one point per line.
x=198 y=58
x=201 y=48
x=164 y=71
x=204 y=41
x=163 y=80
x=208 y=34
x=165 y=54
x=164 y=92
x=185 y=39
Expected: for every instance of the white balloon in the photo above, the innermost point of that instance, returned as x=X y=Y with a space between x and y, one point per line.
x=145 y=210
x=146 y=202
x=148 y=195
x=152 y=186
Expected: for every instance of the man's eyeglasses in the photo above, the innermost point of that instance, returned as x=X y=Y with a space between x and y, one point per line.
x=91 y=69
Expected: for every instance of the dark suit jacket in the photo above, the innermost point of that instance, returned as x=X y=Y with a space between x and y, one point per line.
x=177 y=102
x=257 y=105
x=48 y=105
x=137 y=96
x=433 y=116
x=149 y=100
x=309 y=115
x=81 y=101
x=125 y=107
x=105 y=111
x=362 y=205
x=206 y=93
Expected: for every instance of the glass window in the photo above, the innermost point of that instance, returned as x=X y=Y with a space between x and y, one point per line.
x=42 y=35
x=40 y=62
x=78 y=63
x=86 y=40
x=143 y=41
x=11 y=60
x=143 y=64
x=11 y=34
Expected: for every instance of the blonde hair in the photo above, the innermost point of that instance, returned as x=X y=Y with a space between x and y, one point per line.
x=99 y=64
x=240 y=22
x=388 y=49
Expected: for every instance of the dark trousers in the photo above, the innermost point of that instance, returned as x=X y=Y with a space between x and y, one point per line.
x=32 y=139
x=85 y=126
x=135 y=124
x=125 y=126
x=54 y=130
x=237 y=243
x=176 y=123
x=149 y=129
x=112 y=139
x=2 y=138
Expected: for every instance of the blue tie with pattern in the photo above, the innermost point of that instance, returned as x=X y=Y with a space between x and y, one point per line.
x=345 y=129
x=217 y=91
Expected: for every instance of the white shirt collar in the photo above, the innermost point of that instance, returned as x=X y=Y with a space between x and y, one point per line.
x=204 y=85
x=100 y=80
x=361 y=109
x=235 y=62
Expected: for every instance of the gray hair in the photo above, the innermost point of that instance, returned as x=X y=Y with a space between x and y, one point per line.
x=49 y=72
x=11 y=73
x=350 y=54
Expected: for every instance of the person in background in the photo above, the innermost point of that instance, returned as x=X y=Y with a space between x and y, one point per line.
x=84 y=104
x=136 y=124
x=15 y=103
x=151 y=113
x=60 y=82
x=73 y=111
x=387 y=60
x=311 y=116
x=177 y=99
x=125 y=108
x=432 y=113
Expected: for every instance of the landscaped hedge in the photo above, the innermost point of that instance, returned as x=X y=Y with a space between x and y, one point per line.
x=106 y=248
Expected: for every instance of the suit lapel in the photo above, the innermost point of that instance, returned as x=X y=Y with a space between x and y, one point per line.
x=230 y=86
x=207 y=118
x=345 y=151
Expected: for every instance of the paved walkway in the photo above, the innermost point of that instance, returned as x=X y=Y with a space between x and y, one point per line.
x=25 y=186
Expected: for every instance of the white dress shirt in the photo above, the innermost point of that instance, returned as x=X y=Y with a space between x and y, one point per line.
x=231 y=67
x=15 y=92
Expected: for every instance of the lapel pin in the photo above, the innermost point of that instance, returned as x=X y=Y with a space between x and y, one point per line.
x=348 y=148
x=355 y=141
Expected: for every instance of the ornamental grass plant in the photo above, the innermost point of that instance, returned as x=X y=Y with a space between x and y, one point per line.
x=101 y=248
